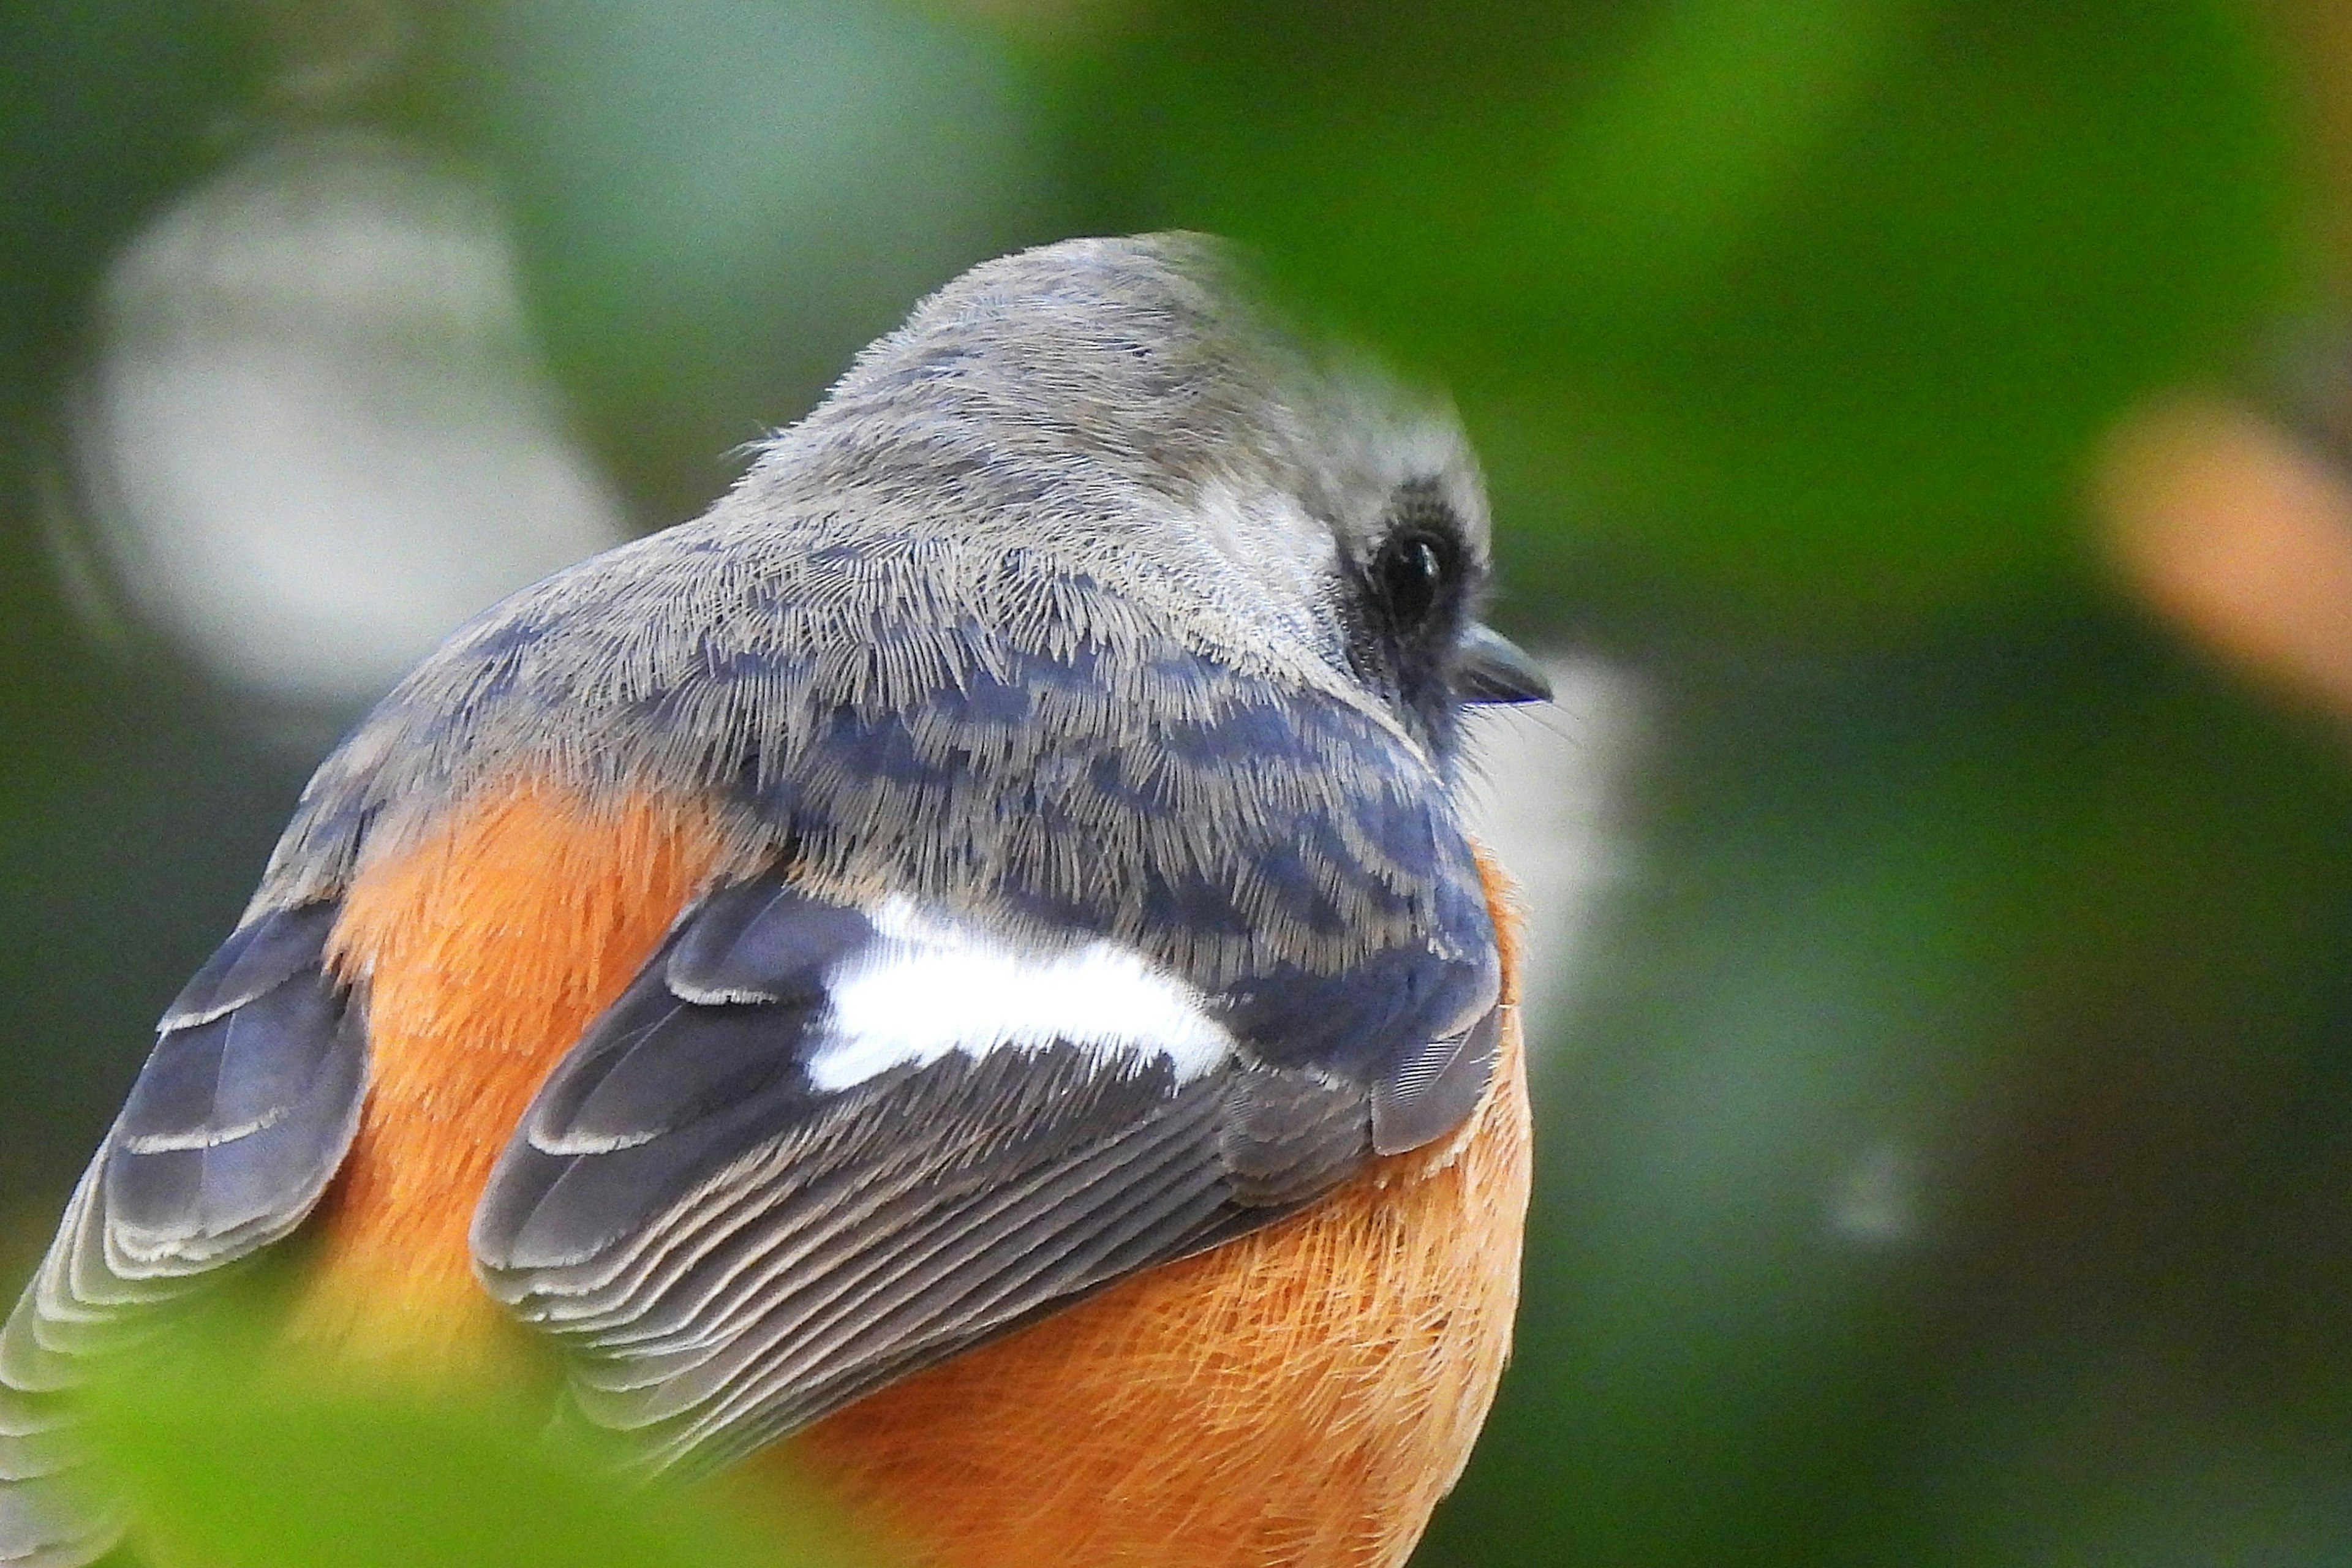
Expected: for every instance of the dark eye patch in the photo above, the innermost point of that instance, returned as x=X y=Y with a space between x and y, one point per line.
x=1412 y=594
x=1412 y=573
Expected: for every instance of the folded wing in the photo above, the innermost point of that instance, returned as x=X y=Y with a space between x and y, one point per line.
x=232 y=1132
x=813 y=1148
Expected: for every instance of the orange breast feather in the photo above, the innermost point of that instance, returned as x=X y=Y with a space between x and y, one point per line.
x=1300 y=1397
x=484 y=950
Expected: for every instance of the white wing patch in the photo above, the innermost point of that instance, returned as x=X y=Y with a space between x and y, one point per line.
x=932 y=986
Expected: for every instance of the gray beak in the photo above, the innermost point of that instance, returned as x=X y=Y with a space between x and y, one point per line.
x=1490 y=668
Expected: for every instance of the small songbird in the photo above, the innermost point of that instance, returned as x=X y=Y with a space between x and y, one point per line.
x=960 y=973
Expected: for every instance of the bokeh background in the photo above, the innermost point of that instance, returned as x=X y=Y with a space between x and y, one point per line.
x=1917 y=430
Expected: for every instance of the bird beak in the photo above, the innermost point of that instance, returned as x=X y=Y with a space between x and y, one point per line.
x=1490 y=668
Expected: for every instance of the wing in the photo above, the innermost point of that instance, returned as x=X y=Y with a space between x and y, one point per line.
x=231 y=1133
x=813 y=1148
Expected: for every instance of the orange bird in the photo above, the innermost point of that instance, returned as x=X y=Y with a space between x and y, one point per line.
x=961 y=968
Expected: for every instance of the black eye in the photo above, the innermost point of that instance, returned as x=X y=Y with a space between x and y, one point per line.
x=1411 y=573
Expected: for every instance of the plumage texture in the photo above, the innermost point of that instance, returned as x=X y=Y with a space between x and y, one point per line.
x=1069 y=646
x=485 y=952
x=736 y=1246
x=234 y=1127
x=1302 y=1395
x=1081 y=489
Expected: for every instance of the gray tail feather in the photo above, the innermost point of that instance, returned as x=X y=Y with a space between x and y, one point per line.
x=54 y=1511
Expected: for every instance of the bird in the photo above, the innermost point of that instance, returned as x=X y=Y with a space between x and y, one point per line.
x=958 y=974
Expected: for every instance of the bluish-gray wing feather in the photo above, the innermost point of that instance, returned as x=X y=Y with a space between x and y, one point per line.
x=734 y=1251
x=232 y=1132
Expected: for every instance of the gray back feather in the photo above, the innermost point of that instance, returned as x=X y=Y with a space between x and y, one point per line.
x=1099 y=454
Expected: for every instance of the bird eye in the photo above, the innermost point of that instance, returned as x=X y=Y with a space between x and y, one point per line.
x=1411 y=573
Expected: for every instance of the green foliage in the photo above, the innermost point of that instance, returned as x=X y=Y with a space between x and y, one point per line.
x=233 y=1473
x=1817 y=303
x=2034 y=912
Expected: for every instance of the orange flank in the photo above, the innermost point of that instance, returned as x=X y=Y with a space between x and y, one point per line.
x=483 y=952
x=1299 y=1398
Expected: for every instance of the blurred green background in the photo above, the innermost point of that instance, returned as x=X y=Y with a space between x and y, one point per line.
x=1947 y=1141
